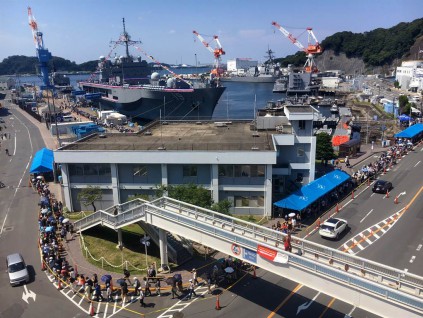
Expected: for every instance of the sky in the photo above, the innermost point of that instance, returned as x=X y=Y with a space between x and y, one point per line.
x=81 y=30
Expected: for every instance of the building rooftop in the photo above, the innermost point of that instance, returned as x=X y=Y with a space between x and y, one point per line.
x=183 y=136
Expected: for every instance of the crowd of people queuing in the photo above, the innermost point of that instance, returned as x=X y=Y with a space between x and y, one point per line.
x=384 y=162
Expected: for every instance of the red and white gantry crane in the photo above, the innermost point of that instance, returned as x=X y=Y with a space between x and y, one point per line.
x=217 y=51
x=310 y=50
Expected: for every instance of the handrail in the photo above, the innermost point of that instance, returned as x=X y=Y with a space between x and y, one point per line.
x=377 y=278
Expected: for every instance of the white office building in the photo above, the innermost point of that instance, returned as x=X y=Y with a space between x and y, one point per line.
x=410 y=75
x=243 y=162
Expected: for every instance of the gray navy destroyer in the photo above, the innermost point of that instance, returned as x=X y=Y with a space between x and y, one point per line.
x=131 y=87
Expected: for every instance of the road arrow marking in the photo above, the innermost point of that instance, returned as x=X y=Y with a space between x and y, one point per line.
x=307 y=304
x=28 y=294
x=402 y=193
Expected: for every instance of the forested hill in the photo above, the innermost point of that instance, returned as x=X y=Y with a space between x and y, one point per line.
x=379 y=47
x=19 y=64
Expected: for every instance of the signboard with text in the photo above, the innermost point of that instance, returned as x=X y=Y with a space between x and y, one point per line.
x=250 y=256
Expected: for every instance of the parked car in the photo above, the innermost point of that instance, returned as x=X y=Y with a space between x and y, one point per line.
x=333 y=227
x=16 y=268
x=382 y=186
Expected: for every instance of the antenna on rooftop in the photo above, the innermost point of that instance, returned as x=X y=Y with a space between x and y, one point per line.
x=162 y=147
x=255 y=133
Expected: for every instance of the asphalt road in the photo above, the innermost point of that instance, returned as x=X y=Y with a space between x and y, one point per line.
x=368 y=212
x=18 y=223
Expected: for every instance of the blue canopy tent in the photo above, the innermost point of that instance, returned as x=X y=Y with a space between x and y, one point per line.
x=42 y=162
x=410 y=132
x=405 y=117
x=311 y=192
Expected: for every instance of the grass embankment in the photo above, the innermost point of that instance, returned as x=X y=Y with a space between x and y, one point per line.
x=102 y=242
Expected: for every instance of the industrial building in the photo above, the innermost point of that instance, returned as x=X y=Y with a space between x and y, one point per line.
x=248 y=163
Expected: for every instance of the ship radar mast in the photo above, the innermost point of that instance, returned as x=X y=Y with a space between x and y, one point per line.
x=125 y=39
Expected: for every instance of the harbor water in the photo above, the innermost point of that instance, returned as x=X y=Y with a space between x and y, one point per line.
x=237 y=102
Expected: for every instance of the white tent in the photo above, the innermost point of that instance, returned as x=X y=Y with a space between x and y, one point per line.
x=116 y=119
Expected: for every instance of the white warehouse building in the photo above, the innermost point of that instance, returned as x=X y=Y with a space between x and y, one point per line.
x=247 y=163
x=410 y=75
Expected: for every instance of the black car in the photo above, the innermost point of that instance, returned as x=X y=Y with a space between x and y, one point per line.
x=382 y=186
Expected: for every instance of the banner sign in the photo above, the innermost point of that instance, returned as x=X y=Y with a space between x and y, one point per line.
x=272 y=255
x=250 y=256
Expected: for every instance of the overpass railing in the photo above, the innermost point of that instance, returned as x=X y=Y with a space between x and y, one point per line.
x=385 y=281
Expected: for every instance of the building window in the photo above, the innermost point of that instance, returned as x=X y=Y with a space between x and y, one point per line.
x=226 y=171
x=104 y=170
x=299 y=177
x=300 y=151
x=257 y=170
x=190 y=171
x=140 y=171
x=241 y=201
x=301 y=124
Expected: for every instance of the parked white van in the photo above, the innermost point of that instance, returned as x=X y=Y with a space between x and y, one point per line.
x=68 y=118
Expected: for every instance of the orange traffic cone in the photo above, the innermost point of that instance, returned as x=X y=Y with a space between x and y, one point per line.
x=75 y=270
x=352 y=194
x=217 y=303
x=368 y=181
x=396 y=200
x=318 y=222
x=337 y=208
x=59 y=284
x=387 y=194
x=254 y=272
x=92 y=311
x=43 y=265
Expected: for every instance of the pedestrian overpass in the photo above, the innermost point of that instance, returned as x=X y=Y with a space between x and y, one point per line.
x=380 y=289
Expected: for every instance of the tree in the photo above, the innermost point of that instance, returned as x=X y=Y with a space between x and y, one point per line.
x=402 y=101
x=396 y=84
x=190 y=193
x=222 y=207
x=89 y=195
x=324 y=149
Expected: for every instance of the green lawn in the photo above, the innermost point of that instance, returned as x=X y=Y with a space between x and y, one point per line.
x=103 y=241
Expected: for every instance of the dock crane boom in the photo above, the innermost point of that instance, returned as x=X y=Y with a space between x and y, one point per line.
x=43 y=54
x=217 y=51
x=311 y=50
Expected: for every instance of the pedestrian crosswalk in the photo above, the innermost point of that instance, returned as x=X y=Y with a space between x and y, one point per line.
x=96 y=309
x=367 y=237
x=185 y=302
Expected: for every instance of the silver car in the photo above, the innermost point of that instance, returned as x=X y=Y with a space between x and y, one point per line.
x=16 y=267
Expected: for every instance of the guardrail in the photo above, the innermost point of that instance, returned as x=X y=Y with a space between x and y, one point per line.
x=385 y=281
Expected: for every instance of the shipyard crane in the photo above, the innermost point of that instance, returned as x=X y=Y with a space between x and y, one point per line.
x=217 y=52
x=310 y=50
x=43 y=54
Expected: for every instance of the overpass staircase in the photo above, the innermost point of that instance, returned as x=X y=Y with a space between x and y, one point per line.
x=381 y=289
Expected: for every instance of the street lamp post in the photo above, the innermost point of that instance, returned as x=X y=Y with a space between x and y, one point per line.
x=146 y=241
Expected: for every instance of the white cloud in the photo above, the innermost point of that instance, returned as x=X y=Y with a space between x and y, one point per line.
x=172 y=31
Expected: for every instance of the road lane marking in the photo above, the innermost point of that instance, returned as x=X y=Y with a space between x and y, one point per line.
x=417 y=164
x=412 y=259
x=366 y=215
x=419 y=248
x=327 y=307
x=20 y=181
x=293 y=292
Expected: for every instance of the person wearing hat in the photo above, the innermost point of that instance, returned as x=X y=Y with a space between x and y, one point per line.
x=191 y=289
x=194 y=276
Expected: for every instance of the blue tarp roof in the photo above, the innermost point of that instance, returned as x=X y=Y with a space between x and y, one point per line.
x=309 y=193
x=410 y=132
x=42 y=162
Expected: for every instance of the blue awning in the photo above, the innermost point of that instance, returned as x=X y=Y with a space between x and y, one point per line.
x=311 y=192
x=42 y=162
x=410 y=132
